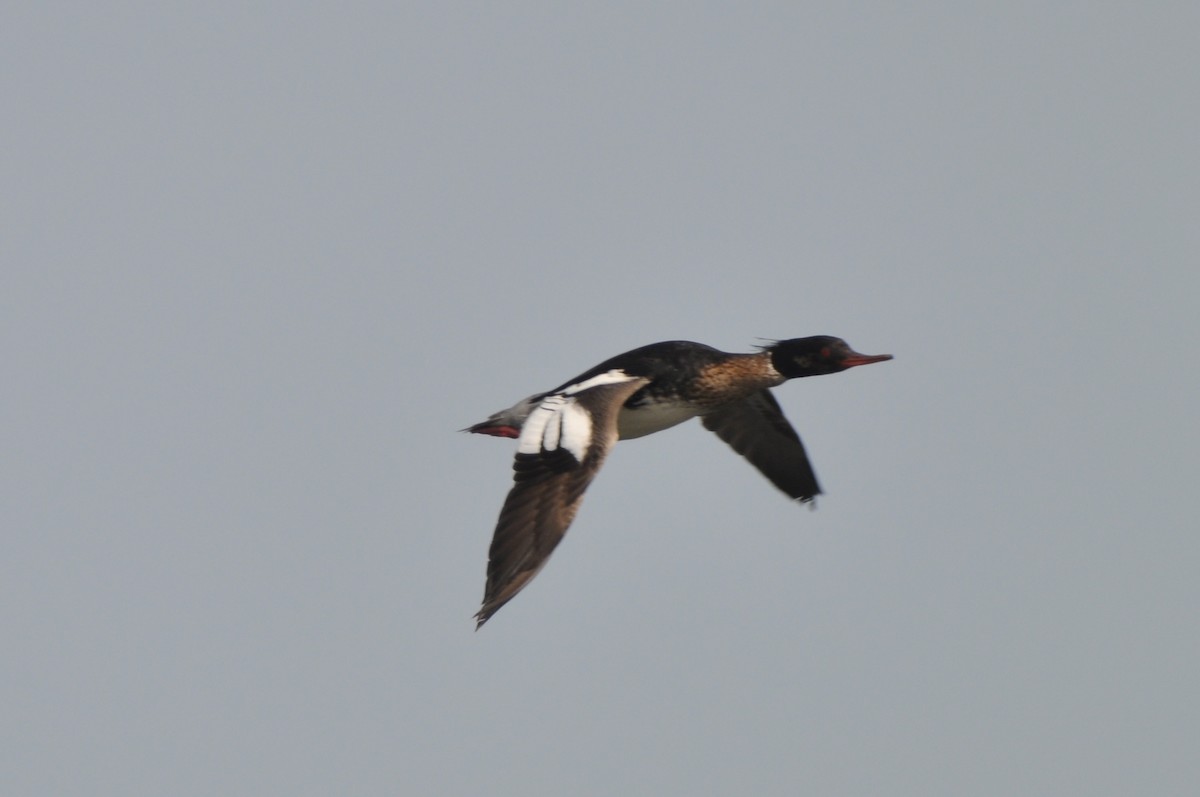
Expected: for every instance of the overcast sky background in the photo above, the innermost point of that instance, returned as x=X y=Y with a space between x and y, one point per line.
x=261 y=261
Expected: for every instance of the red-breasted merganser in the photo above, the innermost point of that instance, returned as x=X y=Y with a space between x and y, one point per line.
x=563 y=435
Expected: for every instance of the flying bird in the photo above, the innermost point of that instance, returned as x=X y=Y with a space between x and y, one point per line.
x=563 y=435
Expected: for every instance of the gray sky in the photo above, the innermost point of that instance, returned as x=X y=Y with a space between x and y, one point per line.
x=261 y=262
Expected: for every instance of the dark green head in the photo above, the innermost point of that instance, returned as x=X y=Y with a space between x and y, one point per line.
x=820 y=354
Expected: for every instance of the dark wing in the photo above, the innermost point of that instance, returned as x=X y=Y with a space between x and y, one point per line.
x=756 y=429
x=562 y=445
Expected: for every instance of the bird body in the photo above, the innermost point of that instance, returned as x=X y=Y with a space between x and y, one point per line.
x=685 y=380
x=563 y=435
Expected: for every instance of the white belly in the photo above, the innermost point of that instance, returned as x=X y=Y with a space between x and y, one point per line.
x=650 y=419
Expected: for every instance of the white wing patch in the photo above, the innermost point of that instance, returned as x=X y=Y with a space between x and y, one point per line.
x=613 y=377
x=559 y=420
x=533 y=433
x=576 y=430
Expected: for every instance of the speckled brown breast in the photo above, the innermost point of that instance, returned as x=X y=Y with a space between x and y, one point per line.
x=732 y=379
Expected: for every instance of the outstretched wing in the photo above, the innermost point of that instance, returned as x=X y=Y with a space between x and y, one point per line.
x=563 y=442
x=756 y=429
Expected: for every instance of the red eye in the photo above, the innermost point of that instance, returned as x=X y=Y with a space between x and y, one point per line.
x=825 y=353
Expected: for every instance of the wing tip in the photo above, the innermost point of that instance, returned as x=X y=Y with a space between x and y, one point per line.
x=808 y=495
x=486 y=611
